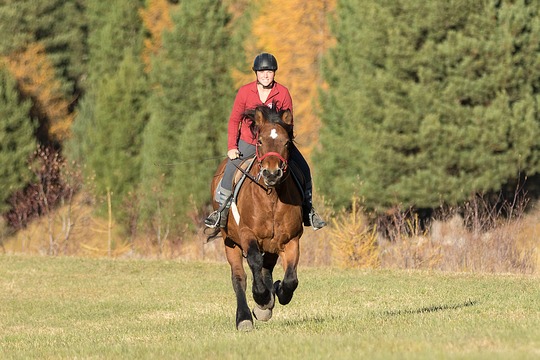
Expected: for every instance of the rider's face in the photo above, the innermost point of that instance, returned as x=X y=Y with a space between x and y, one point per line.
x=265 y=77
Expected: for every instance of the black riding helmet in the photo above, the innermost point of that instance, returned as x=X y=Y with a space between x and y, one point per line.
x=265 y=61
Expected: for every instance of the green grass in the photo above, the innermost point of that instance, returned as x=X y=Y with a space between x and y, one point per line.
x=140 y=309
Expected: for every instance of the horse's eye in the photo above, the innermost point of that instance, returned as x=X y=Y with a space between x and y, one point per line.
x=259 y=142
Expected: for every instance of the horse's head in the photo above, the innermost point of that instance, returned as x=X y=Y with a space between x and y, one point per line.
x=274 y=139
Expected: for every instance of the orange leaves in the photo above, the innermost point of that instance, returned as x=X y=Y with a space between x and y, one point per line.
x=37 y=80
x=156 y=18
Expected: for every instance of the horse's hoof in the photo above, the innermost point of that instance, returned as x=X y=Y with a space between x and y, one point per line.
x=245 y=325
x=262 y=314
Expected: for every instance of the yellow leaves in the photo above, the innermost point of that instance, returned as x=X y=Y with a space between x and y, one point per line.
x=156 y=18
x=37 y=80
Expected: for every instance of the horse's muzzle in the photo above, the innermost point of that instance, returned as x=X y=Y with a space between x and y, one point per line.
x=271 y=177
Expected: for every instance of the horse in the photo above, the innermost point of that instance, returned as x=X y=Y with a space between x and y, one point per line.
x=267 y=222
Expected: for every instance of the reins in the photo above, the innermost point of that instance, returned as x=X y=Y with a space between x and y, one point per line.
x=250 y=177
x=256 y=180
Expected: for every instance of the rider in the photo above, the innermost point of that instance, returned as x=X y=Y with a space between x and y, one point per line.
x=241 y=143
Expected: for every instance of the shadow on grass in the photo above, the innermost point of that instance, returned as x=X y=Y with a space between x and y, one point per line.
x=307 y=320
x=431 y=309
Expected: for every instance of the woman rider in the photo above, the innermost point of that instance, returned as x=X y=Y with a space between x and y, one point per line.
x=241 y=142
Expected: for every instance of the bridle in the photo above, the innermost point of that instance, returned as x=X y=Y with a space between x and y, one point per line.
x=284 y=162
x=260 y=158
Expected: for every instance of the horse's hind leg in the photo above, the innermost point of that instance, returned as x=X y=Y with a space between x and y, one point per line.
x=244 y=320
x=285 y=289
x=264 y=313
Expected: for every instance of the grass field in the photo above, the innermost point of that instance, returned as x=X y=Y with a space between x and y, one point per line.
x=52 y=308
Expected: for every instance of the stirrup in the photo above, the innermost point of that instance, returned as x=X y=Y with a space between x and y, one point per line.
x=315 y=220
x=213 y=220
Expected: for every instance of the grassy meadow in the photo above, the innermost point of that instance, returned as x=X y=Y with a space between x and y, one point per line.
x=69 y=307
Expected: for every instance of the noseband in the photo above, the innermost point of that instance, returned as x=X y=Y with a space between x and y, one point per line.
x=268 y=154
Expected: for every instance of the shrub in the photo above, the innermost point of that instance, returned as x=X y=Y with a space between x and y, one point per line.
x=354 y=241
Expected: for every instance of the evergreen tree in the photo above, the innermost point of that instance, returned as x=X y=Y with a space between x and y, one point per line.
x=108 y=129
x=45 y=48
x=430 y=102
x=112 y=27
x=113 y=30
x=37 y=80
x=115 y=141
x=189 y=107
x=16 y=138
x=56 y=24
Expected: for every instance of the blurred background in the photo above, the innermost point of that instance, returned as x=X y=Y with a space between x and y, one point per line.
x=420 y=121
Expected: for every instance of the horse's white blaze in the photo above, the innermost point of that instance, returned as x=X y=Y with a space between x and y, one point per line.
x=273 y=134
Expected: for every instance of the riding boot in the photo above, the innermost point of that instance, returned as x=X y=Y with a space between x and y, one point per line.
x=219 y=217
x=311 y=217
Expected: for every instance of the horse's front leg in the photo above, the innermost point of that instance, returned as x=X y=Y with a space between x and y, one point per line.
x=261 y=293
x=244 y=320
x=290 y=256
x=264 y=313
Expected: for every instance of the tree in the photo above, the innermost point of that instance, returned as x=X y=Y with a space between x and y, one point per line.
x=58 y=26
x=429 y=103
x=107 y=131
x=298 y=36
x=115 y=141
x=45 y=48
x=112 y=27
x=16 y=138
x=37 y=80
x=156 y=18
x=189 y=107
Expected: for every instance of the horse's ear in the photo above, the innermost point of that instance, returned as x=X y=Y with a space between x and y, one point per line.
x=287 y=117
x=259 y=118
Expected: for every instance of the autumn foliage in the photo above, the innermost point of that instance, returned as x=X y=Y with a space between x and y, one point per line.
x=298 y=35
x=156 y=18
x=37 y=80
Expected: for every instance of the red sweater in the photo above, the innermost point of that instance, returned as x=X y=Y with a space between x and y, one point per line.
x=248 y=98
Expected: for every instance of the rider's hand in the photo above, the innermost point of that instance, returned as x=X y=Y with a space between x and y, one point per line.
x=233 y=154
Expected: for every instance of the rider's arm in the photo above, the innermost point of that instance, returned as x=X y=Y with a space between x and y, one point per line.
x=235 y=121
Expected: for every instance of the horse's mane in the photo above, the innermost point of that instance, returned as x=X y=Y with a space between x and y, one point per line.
x=272 y=115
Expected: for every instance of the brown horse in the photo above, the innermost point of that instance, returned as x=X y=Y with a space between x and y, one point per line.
x=266 y=220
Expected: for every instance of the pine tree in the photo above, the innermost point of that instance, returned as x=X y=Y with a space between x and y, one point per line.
x=115 y=141
x=189 y=107
x=45 y=47
x=16 y=138
x=108 y=130
x=156 y=18
x=57 y=25
x=112 y=27
x=37 y=80
x=437 y=103
x=113 y=30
